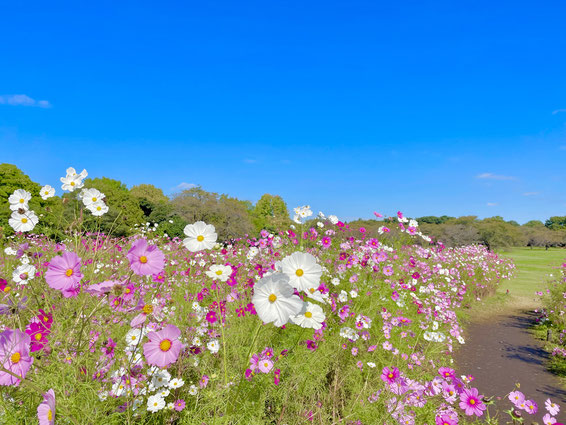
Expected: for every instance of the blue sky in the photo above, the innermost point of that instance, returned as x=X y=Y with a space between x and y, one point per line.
x=430 y=108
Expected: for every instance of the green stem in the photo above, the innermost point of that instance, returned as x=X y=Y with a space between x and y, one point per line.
x=222 y=333
x=235 y=401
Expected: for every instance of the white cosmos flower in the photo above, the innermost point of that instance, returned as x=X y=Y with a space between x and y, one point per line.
x=19 y=200
x=274 y=299
x=252 y=252
x=155 y=403
x=160 y=379
x=199 y=236
x=219 y=272
x=72 y=173
x=98 y=209
x=46 y=192
x=349 y=333
x=71 y=183
x=23 y=274
x=213 y=346
x=91 y=196
x=333 y=219
x=133 y=336
x=23 y=222
x=193 y=390
x=303 y=271
x=312 y=317
x=176 y=383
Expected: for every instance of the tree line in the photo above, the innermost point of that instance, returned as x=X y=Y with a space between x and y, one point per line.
x=144 y=203
x=233 y=218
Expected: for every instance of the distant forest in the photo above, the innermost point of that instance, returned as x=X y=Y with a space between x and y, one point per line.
x=233 y=218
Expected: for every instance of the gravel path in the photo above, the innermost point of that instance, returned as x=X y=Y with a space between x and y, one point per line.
x=500 y=352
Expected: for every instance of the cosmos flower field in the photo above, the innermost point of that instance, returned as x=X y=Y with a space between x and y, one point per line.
x=313 y=324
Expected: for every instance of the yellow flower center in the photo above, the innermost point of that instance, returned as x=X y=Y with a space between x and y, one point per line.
x=99 y=208
x=49 y=415
x=47 y=192
x=93 y=199
x=148 y=308
x=218 y=272
x=165 y=345
x=128 y=290
x=15 y=358
x=72 y=183
x=390 y=376
x=200 y=238
x=299 y=272
x=24 y=220
x=22 y=201
x=308 y=314
x=272 y=298
x=143 y=259
x=312 y=290
x=7 y=289
x=37 y=336
x=46 y=319
x=69 y=272
x=472 y=402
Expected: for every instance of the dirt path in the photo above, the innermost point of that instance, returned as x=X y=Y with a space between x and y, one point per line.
x=500 y=352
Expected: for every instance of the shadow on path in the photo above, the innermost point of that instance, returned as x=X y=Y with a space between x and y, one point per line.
x=500 y=353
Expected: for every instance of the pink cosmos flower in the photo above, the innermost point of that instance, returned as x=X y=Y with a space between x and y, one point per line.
x=265 y=365
x=163 y=347
x=517 y=398
x=179 y=405
x=145 y=259
x=445 y=420
x=552 y=408
x=548 y=420
x=203 y=381
x=390 y=375
x=14 y=356
x=46 y=410
x=531 y=407
x=64 y=274
x=38 y=334
x=470 y=402
x=446 y=372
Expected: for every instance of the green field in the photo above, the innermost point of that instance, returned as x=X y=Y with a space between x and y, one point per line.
x=534 y=269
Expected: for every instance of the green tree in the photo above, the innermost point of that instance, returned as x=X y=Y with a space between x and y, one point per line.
x=123 y=209
x=149 y=197
x=270 y=213
x=230 y=216
x=48 y=211
x=556 y=222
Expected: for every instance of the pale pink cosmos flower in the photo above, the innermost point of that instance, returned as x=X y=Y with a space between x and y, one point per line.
x=46 y=410
x=64 y=274
x=552 y=408
x=163 y=347
x=145 y=259
x=14 y=356
x=548 y=420
x=517 y=398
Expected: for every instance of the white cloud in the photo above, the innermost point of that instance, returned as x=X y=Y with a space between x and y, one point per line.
x=491 y=204
x=557 y=111
x=491 y=176
x=185 y=186
x=22 y=100
x=531 y=193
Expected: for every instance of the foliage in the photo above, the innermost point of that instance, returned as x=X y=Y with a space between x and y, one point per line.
x=270 y=213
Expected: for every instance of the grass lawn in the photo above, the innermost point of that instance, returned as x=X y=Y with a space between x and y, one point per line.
x=534 y=269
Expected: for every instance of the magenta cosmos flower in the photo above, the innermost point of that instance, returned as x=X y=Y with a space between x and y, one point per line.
x=163 y=347
x=470 y=402
x=14 y=356
x=46 y=410
x=64 y=273
x=445 y=420
x=145 y=259
x=390 y=375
